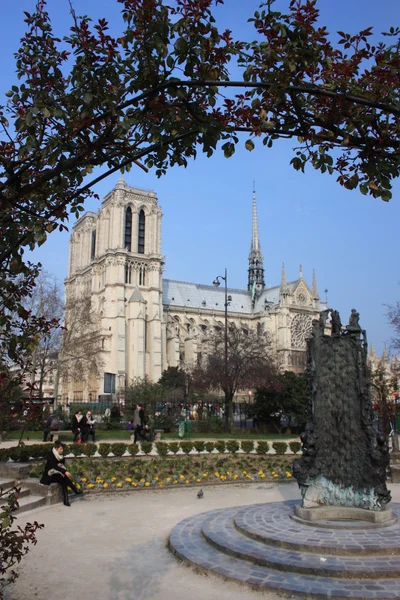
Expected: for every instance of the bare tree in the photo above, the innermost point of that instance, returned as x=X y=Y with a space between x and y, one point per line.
x=81 y=357
x=251 y=362
x=393 y=315
x=45 y=301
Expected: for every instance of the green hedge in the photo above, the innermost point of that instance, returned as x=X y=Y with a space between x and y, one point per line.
x=209 y=446
x=133 y=449
x=295 y=447
x=118 y=449
x=247 y=446
x=280 y=447
x=262 y=447
x=173 y=447
x=220 y=446
x=146 y=447
x=162 y=448
x=186 y=446
x=232 y=446
x=199 y=445
x=104 y=449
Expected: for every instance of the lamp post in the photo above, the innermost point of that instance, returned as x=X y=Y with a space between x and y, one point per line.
x=228 y=299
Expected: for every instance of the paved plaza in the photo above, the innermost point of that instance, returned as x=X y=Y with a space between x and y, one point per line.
x=113 y=546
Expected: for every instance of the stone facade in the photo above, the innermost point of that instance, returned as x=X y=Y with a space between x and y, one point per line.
x=148 y=323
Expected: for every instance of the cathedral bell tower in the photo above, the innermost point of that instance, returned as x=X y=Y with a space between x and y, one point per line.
x=256 y=268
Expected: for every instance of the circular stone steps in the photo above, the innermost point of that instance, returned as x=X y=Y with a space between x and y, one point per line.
x=261 y=546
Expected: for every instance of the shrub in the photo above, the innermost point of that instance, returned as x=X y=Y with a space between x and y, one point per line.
x=232 y=446
x=76 y=449
x=280 y=447
x=133 y=449
x=39 y=450
x=162 y=448
x=104 y=450
x=262 y=447
x=220 y=446
x=173 y=447
x=118 y=449
x=209 y=446
x=14 y=541
x=199 y=445
x=67 y=448
x=247 y=446
x=89 y=449
x=186 y=446
x=295 y=447
x=4 y=454
x=146 y=447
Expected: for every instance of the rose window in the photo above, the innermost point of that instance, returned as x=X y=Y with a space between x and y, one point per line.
x=301 y=330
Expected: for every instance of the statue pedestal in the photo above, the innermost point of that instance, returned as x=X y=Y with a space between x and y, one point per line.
x=343 y=513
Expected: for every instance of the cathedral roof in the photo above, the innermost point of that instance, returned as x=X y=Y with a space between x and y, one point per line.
x=208 y=297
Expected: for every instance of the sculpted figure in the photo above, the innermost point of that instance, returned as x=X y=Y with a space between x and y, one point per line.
x=335 y=323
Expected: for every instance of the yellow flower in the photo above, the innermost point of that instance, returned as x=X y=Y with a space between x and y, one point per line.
x=78 y=486
x=113 y=479
x=262 y=476
x=187 y=481
x=142 y=480
x=260 y=472
x=168 y=478
x=198 y=480
x=223 y=478
x=105 y=485
x=134 y=484
x=90 y=485
x=119 y=485
x=156 y=478
x=99 y=481
x=128 y=479
x=275 y=475
x=175 y=481
x=216 y=474
x=181 y=477
x=244 y=472
x=83 y=479
x=235 y=476
x=147 y=484
x=160 y=484
x=288 y=474
x=205 y=474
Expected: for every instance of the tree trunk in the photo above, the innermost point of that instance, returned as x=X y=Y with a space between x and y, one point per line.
x=228 y=411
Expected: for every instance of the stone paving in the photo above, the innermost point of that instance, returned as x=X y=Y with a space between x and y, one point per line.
x=263 y=547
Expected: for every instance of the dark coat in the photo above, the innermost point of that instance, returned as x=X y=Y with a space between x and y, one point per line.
x=53 y=464
x=76 y=425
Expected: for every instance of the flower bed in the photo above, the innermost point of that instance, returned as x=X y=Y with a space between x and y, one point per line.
x=127 y=473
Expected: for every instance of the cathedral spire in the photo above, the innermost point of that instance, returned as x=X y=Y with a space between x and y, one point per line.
x=314 y=290
x=283 y=278
x=256 y=268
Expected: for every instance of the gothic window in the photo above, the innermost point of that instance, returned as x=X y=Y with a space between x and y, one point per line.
x=142 y=273
x=128 y=273
x=93 y=247
x=128 y=229
x=141 y=232
x=301 y=330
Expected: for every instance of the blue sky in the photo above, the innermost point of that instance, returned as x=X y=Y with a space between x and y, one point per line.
x=351 y=240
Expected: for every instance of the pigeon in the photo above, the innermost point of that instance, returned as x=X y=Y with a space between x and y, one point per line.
x=200 y=494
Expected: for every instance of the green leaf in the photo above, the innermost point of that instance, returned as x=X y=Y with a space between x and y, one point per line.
x=386 y=195
x=249 y=145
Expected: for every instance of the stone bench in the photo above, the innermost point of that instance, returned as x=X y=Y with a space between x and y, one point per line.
x=55 y=435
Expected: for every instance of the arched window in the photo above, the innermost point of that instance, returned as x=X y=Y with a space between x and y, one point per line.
x=141 y=232
x=128 y=228
x=93 y=247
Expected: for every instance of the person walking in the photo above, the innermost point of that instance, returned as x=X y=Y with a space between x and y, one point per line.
x=76 y=425
x=55 y=471
x=51 y=425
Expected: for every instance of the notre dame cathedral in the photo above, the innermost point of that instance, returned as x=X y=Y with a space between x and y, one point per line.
x=147 y=323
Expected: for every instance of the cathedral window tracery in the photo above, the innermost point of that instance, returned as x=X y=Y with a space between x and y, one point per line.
x=128 y=229
x=141 y=232
x=301 y=330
